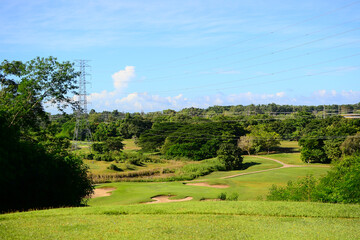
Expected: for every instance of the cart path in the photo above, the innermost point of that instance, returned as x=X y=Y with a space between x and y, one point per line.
x=284 y=165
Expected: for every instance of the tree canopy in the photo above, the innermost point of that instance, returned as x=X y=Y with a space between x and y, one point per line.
x=35 y=169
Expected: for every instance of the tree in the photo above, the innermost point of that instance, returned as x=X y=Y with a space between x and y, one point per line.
x=231 y=156
x=351 y=145
x=246 y=143
x=46 y=174
x=37 y=81
x=264 y=139
x=114 y=144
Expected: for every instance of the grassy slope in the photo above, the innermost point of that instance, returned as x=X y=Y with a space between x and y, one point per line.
x=188 y=220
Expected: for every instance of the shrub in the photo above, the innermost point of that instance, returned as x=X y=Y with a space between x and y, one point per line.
x=230 y=155
x=33 y=178
x=233 y=197
x=135 y=158
x=222 y=196
x=302 y=190
x=194 y=170
x=98 y=147
x=114 y=167
x=340 y=185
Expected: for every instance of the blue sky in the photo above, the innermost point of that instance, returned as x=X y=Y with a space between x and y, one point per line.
x=161 y=54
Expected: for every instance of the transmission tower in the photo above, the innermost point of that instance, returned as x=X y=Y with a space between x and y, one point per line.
x=82 y=130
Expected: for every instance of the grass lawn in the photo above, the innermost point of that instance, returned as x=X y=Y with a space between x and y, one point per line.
x=130 y=145
x=249 y=187
x=290 y=146
x=188 y=220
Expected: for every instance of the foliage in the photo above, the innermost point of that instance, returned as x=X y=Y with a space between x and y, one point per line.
x=36 y=171
x=246 y=143
x=322 y=138
x=312 y=150
x=154 y=138
x=193 y=151
x=263 y=138
x=114 y=167
x=111 y=144
x=133 y=126
x=194 y=170
x=222 y=196
x=340 y=185
x=230 y=155
x=232 y=197
x=31 y=177
x=302 y=190
x=114 y=144
x=98 y=147
x=37 y=81
x=351 y=145
x=200 y=140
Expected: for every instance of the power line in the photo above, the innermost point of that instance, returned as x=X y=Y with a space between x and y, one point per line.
x=151 y=68
x=264 y=75
x=260 y=47
x=265 y=55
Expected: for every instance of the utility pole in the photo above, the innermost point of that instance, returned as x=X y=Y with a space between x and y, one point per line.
x=82 y=130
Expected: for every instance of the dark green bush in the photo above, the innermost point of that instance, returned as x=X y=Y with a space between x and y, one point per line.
x=222 y=196
x=114 y=167
x=33 y=178
x=98 y=147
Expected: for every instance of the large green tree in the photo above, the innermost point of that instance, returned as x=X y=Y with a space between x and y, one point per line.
x=34 y=172
x=26 y=87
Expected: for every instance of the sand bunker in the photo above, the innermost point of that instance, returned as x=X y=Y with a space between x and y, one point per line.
x=164 y=199
x=102 y=192
x=204 y=184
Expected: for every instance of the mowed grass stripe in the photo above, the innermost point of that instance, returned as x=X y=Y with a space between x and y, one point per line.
x=181 y=227
x=188 y=220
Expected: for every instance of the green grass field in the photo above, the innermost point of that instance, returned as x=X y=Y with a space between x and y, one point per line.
x=249 y=187
x=188 y=220
x=123 y=216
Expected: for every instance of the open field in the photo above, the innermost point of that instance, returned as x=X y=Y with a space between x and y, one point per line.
x=188 y=220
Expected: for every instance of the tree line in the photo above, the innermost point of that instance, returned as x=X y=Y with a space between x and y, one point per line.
x=198 y=137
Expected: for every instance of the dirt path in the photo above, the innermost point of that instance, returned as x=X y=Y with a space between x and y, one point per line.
x=284 y=165
x=102 y=192
x=205 y=184
x=165 y=199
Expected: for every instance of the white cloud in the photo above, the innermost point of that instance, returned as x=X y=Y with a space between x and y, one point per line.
x=136 y=102
x=280 y=94
x=123 y=77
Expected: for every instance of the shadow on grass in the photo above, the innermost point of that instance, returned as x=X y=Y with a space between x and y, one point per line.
x=249 y=164
x=287 y=150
